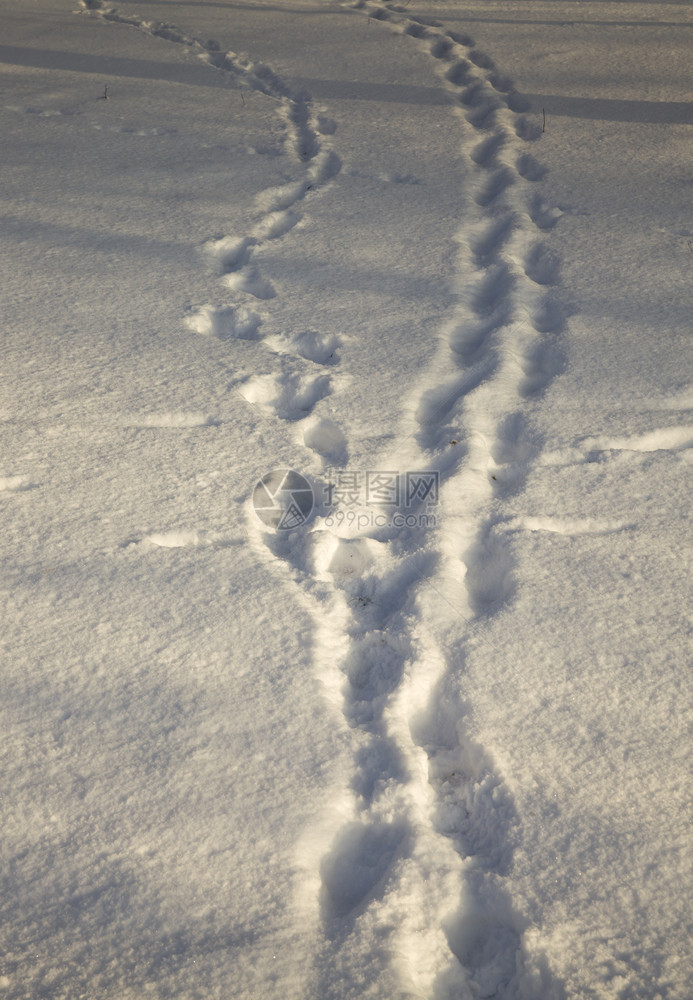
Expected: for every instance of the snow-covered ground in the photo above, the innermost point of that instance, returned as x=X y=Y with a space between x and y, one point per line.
x=434 y=744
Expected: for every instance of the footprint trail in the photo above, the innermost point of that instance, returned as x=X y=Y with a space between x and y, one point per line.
x=291 y=393
x=428 y=827
x=402 y=880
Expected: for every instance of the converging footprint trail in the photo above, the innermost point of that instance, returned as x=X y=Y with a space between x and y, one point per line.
x=401 y=879
x=427 y=827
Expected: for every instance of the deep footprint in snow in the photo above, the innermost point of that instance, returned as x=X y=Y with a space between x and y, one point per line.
x=437 y=403
x=318 y=347
x=288 y=395
x=497 y=183
x=274 y=225
x=549 y=315
x=490 y=242
x=495 y=287
x=374 y=669
x=485 y=153
x=542 y=361
x=489 y=578
x=542 y=265
x=357 y=864
x=515 y=447
x=229 y=253
x=326 y=438
x=529 y=168
x=225 y=322
x=250 y=280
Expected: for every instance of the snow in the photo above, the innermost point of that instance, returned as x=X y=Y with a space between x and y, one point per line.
x=433 y=741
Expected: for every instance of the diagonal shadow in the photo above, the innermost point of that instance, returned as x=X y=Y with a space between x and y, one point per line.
x=390 y=93
x=568 y=21
x=614 y=110
x=112 y=66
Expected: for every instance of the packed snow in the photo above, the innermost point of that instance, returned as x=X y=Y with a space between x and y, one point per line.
x=346 y=426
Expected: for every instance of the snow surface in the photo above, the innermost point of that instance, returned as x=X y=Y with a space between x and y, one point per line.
x=430 y=750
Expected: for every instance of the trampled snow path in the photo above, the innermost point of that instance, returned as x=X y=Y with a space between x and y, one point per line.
x=427 y=820
x=414 y=853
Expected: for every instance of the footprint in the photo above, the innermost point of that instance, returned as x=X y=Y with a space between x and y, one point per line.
x=512 y=452
x=542 y=362
x=475 y=94
x=489 y=577
x=518 y=102
x=542 y=215
x=358 y=861
x=550 y=315
x=229 y=252
x=415 y=30
x=436 y=403
x=374 y=668
x=306 y=142
x=279 y=199
x=250 y=280
x=485 y=153
x=529 y=168
x=481 y=60
x=484 y=118
x=495 y=286
x=465 y=40
x=527 y=130
x=325 y=437
x=501 y=83
x=318 y=347
x=275 y=224
x=497 y=183
x=289 y=395
x=325 y=125
x=487 y=245
x=470 y=336
x=225 y=322
x=441 y=47
x=542 y=265
x=326 y=166
x=343 y=559
x=378 y=763
x=513 y=443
